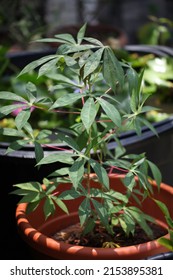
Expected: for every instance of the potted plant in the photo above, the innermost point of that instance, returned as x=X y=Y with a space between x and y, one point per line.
x=88 y=188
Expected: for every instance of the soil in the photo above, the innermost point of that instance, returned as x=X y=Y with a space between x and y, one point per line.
x=100 y=238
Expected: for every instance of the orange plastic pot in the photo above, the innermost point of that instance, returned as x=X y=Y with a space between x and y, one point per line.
x=36 y=232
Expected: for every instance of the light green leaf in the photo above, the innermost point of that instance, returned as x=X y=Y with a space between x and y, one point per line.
x=93 y=41
x=5 y=110
x=81 y=34
x=6 y=95
x=88 y=113
x=65 y=38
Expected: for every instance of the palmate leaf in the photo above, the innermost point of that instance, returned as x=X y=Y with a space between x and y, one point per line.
x=88 y=113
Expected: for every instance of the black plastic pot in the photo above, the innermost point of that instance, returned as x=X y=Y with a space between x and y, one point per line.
x=19 y=166
x=162 y=256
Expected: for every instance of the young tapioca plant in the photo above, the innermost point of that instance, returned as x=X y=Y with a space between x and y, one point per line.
x=96 y=81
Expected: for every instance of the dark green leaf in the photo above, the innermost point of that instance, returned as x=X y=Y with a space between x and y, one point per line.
x=93 y=62
x=22 y=118
x=112 y=70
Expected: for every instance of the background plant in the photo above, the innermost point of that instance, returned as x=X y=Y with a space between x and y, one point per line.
x=101 y=118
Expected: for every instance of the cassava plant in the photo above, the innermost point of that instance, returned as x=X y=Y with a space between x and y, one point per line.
x=81 y=64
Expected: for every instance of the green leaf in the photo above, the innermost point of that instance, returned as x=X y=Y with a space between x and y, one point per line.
x=93 y=62
x=39 y=154
x=110 y=111
x=93 y=41
x=129 y=181
x=6 y=95
x=67 y=99
x=166 y=243
x=22 y=118
x=49 y=207
x=70 y=194
x=132 y=78
x=57 y=157
x=12 y=132
x=31 y=186
x=8 y=109
x=88 y=113
x=65 y=38
x=59 y=172
x=162 y=207
x=76 y=172
x=34 y=64
x=81 y=34
x=140 y=219
x=156 y=172
x=101 y=173
x=112 y=70
x=69 y=141
x=84 y=211
x=102 y=214
x=47 y=67
x=60 y=203
x=17 y=145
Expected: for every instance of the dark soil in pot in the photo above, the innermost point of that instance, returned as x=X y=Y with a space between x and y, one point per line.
x=100 y=238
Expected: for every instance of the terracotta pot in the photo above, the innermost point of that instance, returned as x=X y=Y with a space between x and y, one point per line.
x=36 y=232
